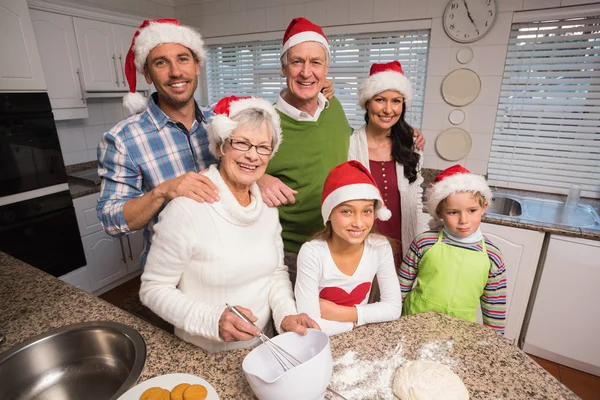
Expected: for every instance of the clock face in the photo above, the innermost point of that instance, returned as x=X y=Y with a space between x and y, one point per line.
x=469 y=20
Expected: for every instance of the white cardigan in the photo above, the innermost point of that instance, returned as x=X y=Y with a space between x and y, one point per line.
x=205 y=255
x=414 y=220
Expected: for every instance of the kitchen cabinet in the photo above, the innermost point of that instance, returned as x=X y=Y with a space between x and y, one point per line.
x=79 y=279
x=55 y=36
x=521 y=251
x=564 y=326
x=110 y=260
x=20 y=65
x=102 y=48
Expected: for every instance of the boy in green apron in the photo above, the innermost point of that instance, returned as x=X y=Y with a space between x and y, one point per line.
x=455 y=267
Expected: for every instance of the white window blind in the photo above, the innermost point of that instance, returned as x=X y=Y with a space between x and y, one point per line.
x=547 y=134
x=253 y=68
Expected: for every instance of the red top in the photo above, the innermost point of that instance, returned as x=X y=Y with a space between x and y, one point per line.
x=384 y=173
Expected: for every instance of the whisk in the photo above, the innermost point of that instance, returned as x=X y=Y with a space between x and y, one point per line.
x=285 y=359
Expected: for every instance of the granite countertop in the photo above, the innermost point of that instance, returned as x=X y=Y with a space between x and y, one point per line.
x=33 y=302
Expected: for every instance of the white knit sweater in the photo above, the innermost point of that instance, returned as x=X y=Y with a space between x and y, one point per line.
x=414 y=220
x=205 y=255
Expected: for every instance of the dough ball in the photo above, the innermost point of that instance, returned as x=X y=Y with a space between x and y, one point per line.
x=428 y=380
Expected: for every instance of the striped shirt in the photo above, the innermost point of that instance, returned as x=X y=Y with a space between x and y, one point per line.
x=141 y=152
x=493 y=299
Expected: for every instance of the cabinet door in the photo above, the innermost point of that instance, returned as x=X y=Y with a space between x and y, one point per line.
x=98 y=56
x=55 y=36
x=105 y=259
x=520 y=251
x=87 y=218
x=20 y=65
x=123 y=35
x=78 y=278
x=134 y=243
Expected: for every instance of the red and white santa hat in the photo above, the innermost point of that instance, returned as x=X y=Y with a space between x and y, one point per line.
x=221 y=124
x=384 y=77
x=452 y=180
x=351 y=181
x=301 y=30
x=150 y=34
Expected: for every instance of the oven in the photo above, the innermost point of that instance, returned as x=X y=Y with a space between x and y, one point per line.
x=37 y=218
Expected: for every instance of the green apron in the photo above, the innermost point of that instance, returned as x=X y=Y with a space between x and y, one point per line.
x=450 y=280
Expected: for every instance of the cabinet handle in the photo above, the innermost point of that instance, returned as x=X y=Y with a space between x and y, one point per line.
x=81 y=87
x=122 y=69
x=122 y=250
x=116 y=70
x=130 y=252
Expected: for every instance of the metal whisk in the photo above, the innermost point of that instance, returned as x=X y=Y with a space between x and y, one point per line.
x=285 y=359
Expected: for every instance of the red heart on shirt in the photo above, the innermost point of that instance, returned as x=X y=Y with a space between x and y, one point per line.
x=342 y=298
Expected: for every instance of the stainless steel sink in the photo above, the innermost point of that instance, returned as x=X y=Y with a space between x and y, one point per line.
x=504 y=206
x=88 y=361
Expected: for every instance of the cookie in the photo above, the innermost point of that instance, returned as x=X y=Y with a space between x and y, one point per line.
x=195 y=392
x=177 y=392
x=156 y=393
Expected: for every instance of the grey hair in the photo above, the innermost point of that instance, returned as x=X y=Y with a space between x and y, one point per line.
x=284 y=57
x=253 y=118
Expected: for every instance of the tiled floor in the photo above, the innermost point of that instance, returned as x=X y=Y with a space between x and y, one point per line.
x=584 y=385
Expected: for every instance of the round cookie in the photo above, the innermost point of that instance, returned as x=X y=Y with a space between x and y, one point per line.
x=195 y=392
x=428 y=380
x=177 y=392
x=155 y=393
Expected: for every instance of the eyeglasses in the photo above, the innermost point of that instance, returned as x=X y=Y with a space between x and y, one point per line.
x=246 y=146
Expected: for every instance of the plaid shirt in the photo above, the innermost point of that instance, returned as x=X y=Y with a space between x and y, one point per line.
x=140 y=153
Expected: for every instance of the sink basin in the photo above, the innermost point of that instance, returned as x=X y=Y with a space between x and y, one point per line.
x=504 y=206
x=93 y=361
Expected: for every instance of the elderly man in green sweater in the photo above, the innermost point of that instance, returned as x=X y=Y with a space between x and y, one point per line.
x=316 y=138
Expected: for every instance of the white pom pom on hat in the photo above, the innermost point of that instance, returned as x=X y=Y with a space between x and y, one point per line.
x=221 y=125
x=351 y=181
x=150 y=34
x=384 y=77
x=453 y=180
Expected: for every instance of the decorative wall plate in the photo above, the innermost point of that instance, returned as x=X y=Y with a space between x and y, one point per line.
x=464 y=55
x=460 y=87
x=453 y=144
x=456 y=117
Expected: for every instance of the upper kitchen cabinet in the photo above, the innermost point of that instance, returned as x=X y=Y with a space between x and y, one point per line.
x=55 y=36
x=521 y=250
x=102 y=48
x=20 y=65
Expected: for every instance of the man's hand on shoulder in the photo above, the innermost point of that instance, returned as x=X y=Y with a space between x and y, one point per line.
x=419 y=139
x=274 y=192
x=328 y=90
x=194 y=185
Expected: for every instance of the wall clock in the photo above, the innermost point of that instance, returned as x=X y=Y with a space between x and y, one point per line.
x=466 y=21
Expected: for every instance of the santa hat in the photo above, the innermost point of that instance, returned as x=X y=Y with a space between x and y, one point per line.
x=454 y=180
x=149 y=35
x=384 y=77
x=301 y=30
x=351 y=181
x=222 y=125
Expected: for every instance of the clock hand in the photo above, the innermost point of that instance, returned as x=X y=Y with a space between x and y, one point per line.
x=468 y=13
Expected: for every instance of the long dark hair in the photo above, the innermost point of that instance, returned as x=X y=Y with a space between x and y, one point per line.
x=402 y=146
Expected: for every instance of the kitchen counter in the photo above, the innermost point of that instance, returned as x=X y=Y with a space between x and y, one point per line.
x=33 y=302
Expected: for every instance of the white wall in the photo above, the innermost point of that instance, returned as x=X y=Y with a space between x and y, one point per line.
x=79 y=138
x=143 y=8
x=240 y=17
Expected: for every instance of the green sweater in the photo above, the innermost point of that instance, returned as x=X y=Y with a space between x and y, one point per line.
x=308 y=151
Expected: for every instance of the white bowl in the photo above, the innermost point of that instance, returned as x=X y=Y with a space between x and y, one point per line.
x=308 y=381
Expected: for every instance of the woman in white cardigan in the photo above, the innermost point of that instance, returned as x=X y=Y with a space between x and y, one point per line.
x=385 y=146
x=206 y=255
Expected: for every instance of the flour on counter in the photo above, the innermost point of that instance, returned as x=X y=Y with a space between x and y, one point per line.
x=439 y=351
x=358 y=379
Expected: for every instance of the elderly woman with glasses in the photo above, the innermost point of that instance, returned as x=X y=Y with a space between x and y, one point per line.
x=206 y=255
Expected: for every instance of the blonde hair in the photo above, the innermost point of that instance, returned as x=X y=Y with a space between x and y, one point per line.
x=440 y=206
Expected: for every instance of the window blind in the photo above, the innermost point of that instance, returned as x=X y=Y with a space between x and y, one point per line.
x=253 y=68
x=547 y=134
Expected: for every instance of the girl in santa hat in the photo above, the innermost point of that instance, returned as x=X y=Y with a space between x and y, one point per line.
x=337 y=266
x=384 y=145
x=456 y=268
